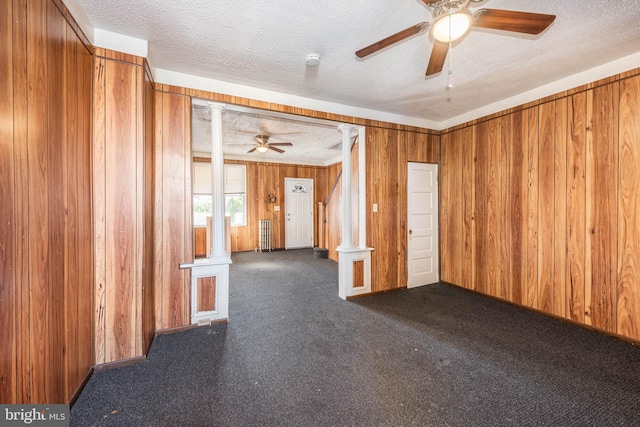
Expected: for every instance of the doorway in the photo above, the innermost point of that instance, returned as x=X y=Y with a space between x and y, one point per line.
x=422 y=224
x=298 y=212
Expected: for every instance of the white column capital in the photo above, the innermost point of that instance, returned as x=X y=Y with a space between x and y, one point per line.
x=216 y=105
x=346 y=128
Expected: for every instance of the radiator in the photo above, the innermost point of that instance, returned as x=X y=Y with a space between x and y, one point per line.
x=264 y=235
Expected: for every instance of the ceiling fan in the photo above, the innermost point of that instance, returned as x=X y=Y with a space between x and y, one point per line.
x=452 y=20
x=263 y=145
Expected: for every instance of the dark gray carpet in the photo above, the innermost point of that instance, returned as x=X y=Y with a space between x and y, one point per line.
x=294 y=354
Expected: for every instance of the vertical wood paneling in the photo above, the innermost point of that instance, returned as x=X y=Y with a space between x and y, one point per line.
x=206 y=293
x=576 y=214
x=469 y=215
x=21 y=203
x=493 y=260
x=173 y=217
x=56 y=108
x=46 y=352
x=560 y=210
x=567 y=205
x=120 y=202
x=532 y=208
x=514 y=188
x=123 y=196
x=8 y=288
x=546 y=218
x=481 y=190
x=99 y=205
x=334 y=219
x=148 y=298
x=602 y=172
x=38 y=219
x=71 y=254
x=628 y=290
x=451 y=250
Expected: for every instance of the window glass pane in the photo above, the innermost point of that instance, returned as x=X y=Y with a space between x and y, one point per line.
x=234 y=207
x=202 y=208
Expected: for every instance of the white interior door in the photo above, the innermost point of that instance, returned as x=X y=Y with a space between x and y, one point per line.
x=298 y=232
x=422 y=224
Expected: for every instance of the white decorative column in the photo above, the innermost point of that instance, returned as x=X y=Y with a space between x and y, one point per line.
x=210 y=277
x=346 y=241
x=353 y=262
x=217 y=164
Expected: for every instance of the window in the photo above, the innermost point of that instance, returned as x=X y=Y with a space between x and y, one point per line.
x=202 y=208
x=235 y=205
x=234 y=194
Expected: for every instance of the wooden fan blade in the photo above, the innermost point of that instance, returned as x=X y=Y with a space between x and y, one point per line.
x=438 y=55
x=510 y=20
x=395 y=38
x=252 y=150
x=281 y=144
x=271 y=147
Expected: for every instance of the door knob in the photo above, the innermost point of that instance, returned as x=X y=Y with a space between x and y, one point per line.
x=410 y=232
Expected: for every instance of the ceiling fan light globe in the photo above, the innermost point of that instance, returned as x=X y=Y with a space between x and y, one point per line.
x=451 y=26
x=262 y=149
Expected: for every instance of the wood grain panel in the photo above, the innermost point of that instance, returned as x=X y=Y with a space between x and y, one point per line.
x=546 y=201
x=332 y=210
x=121 y=207
x=38 y=248
x=206 y=293
x=576 y=214
x=56 y=126
x=560 y=209
x=99 y=206
x=628 y=291
x=148 y=297
x=570 y=161
x=71 y=254
x=8 y=279
x=532 y=207
x=492 y=243
x=43 y=345
x=481 y=190
x=358 y=274
x=468 y=172
x=123 y=200
x=173 y=229
x=20 y=154
x=451 y=212
x=601 y=244
x=514 y=190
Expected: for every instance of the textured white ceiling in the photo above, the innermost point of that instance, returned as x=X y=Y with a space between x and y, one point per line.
x=262 y=44
x=314 y=142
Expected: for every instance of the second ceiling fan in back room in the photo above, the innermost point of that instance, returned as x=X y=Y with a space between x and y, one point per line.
x=263 y=145
x=452 y=20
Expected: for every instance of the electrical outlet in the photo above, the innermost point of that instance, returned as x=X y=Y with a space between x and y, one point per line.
x=375 y=207
x=276 y=208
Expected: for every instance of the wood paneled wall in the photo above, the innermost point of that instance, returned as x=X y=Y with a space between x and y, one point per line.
x=539 y=205
x=388 y=152
x=173 y=227
x=264 y=178
x=123 y=195
x=46 y=338
x=333 y=210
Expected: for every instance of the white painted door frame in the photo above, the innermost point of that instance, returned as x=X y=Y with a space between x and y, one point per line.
x=299 y=217
x=422 y=224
